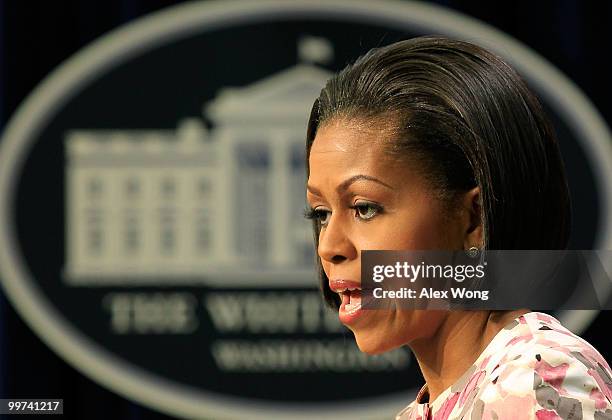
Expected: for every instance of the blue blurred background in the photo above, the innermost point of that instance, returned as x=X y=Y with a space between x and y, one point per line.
x=36 y=36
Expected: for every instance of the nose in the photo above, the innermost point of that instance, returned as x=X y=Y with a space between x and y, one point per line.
x=335 y=244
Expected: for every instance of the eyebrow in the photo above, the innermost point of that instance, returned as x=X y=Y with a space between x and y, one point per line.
x=346 y=183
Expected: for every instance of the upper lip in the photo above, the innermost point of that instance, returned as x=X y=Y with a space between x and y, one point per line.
x=342 y=285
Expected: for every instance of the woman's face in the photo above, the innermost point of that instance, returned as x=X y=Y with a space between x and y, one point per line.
x=366 y=200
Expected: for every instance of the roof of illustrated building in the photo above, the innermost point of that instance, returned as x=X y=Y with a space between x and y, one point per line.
x=283 y=98
x=188 y=139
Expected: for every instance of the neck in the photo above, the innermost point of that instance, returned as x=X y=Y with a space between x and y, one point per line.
x=455 y=346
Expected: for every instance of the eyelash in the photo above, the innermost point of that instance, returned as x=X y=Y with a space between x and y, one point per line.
x=314 y=214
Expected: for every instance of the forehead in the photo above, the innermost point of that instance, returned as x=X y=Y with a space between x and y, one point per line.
x=345 y=144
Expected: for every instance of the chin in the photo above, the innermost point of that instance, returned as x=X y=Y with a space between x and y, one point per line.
x=373 y=345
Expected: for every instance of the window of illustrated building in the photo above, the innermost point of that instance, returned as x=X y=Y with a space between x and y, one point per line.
x=132 y=188
x=202 y=231
x=203 y=188
x=131 y=233
x=167 y=221
x=168 y=188
x=94 y=226
x=94 y=188
x=94 y=231
x=167 y=216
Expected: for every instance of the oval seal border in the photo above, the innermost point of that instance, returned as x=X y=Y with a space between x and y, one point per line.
x=180 y=21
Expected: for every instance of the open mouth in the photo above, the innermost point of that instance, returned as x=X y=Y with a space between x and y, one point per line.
x=351 y=295
x=351 y=299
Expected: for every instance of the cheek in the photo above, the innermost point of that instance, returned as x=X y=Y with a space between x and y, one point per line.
x=423 y=227
x=428 y=232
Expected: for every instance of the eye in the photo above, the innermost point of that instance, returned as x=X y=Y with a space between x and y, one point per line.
x=322 y=216
x=367 y=210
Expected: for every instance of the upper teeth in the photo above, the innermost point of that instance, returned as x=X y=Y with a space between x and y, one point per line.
x=350 y=289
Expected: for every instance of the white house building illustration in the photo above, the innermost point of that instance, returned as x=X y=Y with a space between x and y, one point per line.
x=191 y=205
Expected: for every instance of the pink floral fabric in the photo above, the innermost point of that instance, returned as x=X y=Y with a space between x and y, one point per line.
x=534 y=368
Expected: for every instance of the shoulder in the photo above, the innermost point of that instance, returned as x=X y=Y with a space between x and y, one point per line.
x=548 y=371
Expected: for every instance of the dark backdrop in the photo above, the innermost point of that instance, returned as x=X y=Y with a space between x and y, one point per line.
x=36 y=36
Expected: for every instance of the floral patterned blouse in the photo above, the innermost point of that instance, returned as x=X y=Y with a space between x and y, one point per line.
x=534 y=368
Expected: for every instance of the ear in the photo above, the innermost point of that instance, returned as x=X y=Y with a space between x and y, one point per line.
x=471 y=204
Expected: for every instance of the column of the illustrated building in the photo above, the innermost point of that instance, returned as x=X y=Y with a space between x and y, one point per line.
x=279 y=251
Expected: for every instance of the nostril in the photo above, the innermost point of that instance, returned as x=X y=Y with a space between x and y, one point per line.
x=338 y=258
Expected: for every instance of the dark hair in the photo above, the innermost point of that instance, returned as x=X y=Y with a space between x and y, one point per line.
x=470 y=120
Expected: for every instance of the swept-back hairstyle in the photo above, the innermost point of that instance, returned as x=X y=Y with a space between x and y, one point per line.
x=470 y=120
